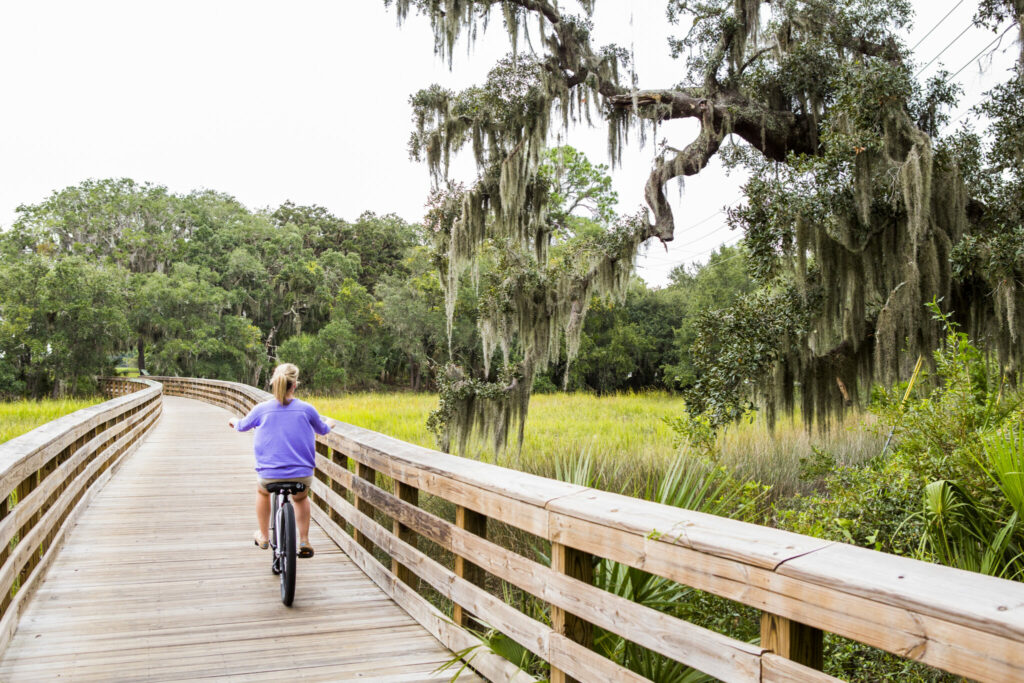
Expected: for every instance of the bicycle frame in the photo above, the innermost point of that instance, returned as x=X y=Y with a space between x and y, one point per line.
x=277 y=501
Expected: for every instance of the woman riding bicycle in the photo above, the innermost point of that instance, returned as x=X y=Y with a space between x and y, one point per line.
x=284 y=447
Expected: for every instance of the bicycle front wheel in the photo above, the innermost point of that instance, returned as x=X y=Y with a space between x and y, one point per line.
x=287 y=553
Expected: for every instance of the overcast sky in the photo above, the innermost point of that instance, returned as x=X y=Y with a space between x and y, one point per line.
x=308 y=101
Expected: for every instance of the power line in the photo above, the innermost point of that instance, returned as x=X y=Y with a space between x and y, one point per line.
x=704 y=220
x=675 y=260
x=943 y=50
x=971 y=60
x=717 y=230
x=937 y=25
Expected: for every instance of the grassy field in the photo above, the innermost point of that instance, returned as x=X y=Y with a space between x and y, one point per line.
x=18 y=417
x=624 y=436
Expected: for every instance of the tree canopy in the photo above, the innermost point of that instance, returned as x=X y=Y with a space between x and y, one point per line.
x=858 y=212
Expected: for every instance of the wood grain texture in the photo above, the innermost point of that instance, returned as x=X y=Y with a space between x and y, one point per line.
x=792 y=640
x=476 y=524
x=159 y=580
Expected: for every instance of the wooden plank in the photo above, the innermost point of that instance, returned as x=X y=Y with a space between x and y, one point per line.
x=577 y=661
x=30 y=504
x=20 y=561
x=9 y=621
x=995 y=606
x=776 y=669
x=23 y=455
x=751 y=544
x=512 y=497
x=856 y=618
x=528 y=632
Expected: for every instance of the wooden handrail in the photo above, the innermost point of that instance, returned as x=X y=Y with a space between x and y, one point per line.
x=48 y=475
x=962 y=622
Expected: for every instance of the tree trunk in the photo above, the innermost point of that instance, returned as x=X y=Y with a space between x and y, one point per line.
x=142 y=354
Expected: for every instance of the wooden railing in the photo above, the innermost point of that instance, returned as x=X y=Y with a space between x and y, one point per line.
x=50 y=474
x=370 y=484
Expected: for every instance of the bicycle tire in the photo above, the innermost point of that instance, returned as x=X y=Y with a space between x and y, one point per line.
x=288 y=553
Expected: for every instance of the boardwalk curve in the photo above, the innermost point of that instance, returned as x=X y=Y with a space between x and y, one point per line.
x=158 y=580
x=428 y=528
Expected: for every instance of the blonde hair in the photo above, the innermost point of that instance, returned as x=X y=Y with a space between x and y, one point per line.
x=285 y=377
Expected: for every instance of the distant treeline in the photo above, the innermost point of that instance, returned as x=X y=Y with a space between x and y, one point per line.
x=200 y=285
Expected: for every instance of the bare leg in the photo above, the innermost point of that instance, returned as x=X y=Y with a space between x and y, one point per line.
x=263 y=512
x=302 y=517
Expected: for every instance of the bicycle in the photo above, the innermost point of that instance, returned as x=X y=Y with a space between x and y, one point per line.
x=283 y=535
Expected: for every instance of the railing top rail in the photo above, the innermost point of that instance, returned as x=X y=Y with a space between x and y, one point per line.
x=58 y=433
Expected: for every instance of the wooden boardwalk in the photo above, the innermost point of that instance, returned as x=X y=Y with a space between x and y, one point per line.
x=160 y=580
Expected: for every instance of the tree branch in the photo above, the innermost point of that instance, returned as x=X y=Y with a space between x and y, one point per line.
x=689 y=161
x=775 y=133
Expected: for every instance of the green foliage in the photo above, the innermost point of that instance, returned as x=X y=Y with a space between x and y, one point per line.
x=60 y=324
x=935 y=497
x=697 y=290
x=736 y=348
x=323 y=356
x=576 y=184
x=196 y=284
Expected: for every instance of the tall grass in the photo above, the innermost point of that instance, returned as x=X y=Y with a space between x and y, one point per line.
x=624 y=437
x=777 y=458
x=18 y=417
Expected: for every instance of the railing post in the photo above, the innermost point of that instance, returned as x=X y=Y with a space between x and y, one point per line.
x=578 y=565
x=409 y=494
x=790 y=639
x=369 y=474
x=324 y=450
x=475 y=523
x=341 y=460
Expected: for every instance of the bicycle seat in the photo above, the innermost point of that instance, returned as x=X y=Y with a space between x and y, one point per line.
x=289 y=487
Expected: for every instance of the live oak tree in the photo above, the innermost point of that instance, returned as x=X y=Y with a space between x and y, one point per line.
x=855 y=205
x=204 y=286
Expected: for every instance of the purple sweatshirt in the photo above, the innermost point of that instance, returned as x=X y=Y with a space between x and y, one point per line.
x=284 y=441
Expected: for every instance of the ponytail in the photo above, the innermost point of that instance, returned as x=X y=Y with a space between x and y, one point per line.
x=285 y=378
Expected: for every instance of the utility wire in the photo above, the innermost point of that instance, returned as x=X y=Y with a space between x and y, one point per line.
x=967 y=64
x=705 y=220
x=717 y=230
x=937 y=25
x=983 y=50
x=943 y=50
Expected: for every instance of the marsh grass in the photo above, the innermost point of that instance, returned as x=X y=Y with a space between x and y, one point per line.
x=18 y=417
x=778 y=458
x=625 y=438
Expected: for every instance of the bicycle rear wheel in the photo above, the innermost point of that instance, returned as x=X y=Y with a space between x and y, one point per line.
x=287 y=550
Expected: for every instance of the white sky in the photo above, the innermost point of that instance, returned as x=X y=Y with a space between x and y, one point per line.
x=308 y=101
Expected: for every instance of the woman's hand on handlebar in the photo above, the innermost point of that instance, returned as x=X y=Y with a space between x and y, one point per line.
x=232 y=422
